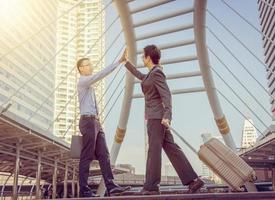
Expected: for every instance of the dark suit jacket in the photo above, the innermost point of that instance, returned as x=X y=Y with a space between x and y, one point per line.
x=158 y=99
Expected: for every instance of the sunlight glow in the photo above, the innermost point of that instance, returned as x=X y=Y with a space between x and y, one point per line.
x=11 y=11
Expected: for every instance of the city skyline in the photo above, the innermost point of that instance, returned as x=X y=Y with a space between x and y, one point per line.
x=249 y=134
x=198 y=117
x=267 y=28
x=88 y=43
x=218 y=57
x=31 y=101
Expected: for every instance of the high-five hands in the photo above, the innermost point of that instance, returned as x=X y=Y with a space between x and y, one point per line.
x=124 y=56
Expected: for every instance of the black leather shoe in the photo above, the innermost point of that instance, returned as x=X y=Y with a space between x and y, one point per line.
x=195 y=185
x=149 y=192
x=87 y=192
x=117 y=190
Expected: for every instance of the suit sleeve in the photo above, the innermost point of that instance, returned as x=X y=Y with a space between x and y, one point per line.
x=164 y=92
x=134 y=71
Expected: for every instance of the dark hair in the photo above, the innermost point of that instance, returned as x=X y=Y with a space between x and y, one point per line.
x=153 y=52
x=79 y=62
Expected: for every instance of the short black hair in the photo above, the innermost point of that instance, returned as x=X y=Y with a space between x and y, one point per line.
x=79 y=62
x=154 y=53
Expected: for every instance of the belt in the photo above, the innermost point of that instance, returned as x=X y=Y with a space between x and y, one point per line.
x=89 y=116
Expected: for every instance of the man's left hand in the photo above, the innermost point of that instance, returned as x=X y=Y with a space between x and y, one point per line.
x=165 y=122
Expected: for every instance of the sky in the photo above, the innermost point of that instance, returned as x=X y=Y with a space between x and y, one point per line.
x=192 y=115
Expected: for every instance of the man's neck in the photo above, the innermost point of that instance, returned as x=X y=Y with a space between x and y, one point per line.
x=151 y=66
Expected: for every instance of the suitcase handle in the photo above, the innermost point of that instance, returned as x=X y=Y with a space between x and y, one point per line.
x=189 y=145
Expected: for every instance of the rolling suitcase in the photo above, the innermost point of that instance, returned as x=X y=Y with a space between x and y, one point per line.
x=226 y=164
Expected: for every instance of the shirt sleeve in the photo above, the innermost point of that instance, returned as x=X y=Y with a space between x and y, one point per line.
x=86 y=81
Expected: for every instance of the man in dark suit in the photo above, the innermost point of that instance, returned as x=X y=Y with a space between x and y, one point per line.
x=158 y=112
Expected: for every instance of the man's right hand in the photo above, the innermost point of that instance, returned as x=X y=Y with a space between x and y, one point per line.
x=124 y=56
x=165 y=122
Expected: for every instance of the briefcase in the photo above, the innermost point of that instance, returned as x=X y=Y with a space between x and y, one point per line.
x=76 y=146
x=226 y=164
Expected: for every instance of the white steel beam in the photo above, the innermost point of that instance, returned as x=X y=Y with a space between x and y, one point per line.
x=200 y=38
x=180 y=91
x=149 y=6
x=175 y=60
x=178 y=75
x=163 y=17
x=129 y=35
x=164 y=32
x=172 y=45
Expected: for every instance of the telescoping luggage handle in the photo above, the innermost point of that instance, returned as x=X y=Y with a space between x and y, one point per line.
x=189 y=145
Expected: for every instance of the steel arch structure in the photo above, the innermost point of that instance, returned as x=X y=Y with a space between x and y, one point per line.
x=129 y=25
x=56 y=161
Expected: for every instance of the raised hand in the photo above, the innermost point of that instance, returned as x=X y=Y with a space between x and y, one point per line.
x=124 y=56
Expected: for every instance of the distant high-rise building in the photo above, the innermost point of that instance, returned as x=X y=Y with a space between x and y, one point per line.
x=33 y=104
x=266 y=12
x=249 y=134
x=88 y=43
x=131 y=169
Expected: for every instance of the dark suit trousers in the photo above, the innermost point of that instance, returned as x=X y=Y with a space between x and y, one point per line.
x=159 y=137
x=94 y=147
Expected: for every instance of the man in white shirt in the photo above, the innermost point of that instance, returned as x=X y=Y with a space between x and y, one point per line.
x=94 y=143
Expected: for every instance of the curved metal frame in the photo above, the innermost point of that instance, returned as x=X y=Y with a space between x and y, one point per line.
x=23 y=181
x=202 y=55
x=129 y=35
x=200 y=41
x=3 y=188
x=30 y=196
x=49 y=187
x=42 y=187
